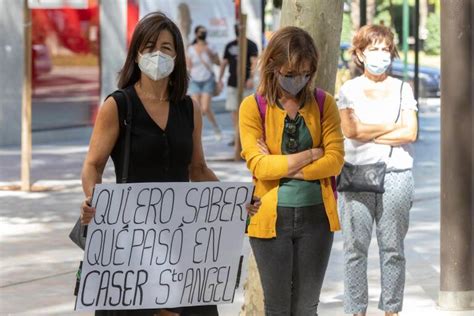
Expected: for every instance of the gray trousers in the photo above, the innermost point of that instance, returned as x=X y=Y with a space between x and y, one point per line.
x=292 y=265
x=390 y=211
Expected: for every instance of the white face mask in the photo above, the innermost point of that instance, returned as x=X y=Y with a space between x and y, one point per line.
x=377 y=62
x=156 y=65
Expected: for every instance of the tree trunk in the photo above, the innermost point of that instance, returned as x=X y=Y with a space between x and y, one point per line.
x=253 y=297
x=423 y=19
x=371 y=10
x=323 y=21
x=355 y=13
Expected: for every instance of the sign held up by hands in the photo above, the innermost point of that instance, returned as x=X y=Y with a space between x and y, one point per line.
x=157 y=245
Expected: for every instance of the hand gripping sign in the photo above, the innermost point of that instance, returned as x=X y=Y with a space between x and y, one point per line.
x=156 y=245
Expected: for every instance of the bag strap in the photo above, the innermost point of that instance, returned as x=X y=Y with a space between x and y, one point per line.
x=320 y=97
x=208 y=67
x=128 y=133
x=400 y=102
x=126 y=155
x=262 y=109
x=399 y=112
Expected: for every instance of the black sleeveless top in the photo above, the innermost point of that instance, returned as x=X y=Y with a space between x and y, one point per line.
x=156 y=155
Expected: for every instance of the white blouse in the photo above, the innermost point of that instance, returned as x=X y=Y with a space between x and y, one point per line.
x=382 y=111
x=199 y=71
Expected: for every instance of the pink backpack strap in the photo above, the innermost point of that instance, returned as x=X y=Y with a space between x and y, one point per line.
x=262 y=109
x=320 y=96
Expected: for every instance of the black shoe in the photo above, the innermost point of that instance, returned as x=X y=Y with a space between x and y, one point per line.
x=231 y=143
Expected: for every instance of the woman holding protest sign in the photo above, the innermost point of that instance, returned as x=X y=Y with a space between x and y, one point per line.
x=292 y=142
x=150 y=128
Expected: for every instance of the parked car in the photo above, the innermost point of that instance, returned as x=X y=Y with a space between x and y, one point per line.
x=430 y=77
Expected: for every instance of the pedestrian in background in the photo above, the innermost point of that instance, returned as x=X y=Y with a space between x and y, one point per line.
x=378 y=115
x=231 y=55
x=165 y=144
x=200 y=59
x=292 y=150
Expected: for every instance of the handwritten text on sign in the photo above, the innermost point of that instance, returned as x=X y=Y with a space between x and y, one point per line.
x=154 y=245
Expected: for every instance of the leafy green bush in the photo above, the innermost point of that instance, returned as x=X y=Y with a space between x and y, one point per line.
x=383 y=16
x=433 y=41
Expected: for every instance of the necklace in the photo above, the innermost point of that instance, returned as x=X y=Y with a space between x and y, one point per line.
x=150 y=95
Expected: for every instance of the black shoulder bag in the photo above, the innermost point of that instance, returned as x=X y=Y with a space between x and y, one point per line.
x=79 y=232
x=365 y=178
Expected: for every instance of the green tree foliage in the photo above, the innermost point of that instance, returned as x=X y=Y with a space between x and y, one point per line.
x=433 y=42
x=346 y=34
x=383 y=17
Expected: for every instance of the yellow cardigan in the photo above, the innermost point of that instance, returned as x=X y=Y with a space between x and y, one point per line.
x=269 y=169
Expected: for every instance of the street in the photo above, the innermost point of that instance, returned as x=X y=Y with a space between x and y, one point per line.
x=66 y=96
x=37 y=270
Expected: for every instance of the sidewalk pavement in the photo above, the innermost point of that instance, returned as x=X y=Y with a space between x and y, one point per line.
x=38 y=265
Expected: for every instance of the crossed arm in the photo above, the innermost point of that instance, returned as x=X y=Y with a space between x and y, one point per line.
x=394 y=134
x=296 y=162
x=312 y=164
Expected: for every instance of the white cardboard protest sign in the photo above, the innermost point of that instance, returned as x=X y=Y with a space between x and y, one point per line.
x=156 y=245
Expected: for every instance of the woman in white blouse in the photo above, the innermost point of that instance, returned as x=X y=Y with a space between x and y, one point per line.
x=378 y=116
x=200 y=60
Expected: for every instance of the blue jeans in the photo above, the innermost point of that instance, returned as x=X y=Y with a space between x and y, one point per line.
x=292 y=265
x=200 y=87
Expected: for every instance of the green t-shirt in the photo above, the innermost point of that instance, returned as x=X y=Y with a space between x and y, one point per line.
x=293 y=192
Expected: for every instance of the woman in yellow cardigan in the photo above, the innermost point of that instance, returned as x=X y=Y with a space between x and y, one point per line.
x=292 y=155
